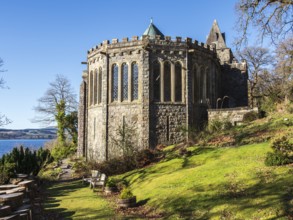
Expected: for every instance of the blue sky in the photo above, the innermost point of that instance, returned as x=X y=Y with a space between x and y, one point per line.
x=42 y=38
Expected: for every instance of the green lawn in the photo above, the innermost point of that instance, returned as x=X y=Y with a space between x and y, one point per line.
x=211 y=183
x=216 y=183
x=72 y=200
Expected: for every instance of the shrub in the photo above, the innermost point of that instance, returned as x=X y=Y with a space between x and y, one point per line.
x=219 y=125
x=282 y=152
x=81 y=168
x=126 y=193
x=6 y=171
x=61 y=150
x=122 y=164
x=23 y=160
x=250 y=116
x=145 y=157
x=282 y=145
x=215 y=125
x=276 y=159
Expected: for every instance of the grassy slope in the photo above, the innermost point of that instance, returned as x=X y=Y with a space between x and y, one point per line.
x=214 y=183
x=73 y=201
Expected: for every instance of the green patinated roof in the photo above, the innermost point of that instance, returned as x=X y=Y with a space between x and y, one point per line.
x=152 y=31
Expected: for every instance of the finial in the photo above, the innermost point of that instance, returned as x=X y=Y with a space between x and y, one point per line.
x=151 y=20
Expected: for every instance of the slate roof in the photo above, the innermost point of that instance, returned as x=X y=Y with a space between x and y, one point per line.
x=152 y=31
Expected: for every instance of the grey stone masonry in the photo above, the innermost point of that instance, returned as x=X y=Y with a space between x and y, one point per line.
x=157 y=86
x=234 y=115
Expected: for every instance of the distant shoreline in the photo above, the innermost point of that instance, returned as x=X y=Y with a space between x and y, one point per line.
x=29 y=134
x=23 y=138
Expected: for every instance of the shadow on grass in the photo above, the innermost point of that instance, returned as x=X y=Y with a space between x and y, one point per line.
x=278 y=202
x=147 y=174
x=54 y=211
x=142 y=202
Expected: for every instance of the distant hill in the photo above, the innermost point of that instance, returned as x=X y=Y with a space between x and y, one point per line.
x=42 y=133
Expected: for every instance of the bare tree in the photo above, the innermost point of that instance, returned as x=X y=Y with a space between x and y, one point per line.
x=3 y=119
x=57 y=102
x=280 y=82
x=258 y=59
x=59 y=90
x=271 y=18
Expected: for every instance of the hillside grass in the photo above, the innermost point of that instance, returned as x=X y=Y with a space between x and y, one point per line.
x=72 y=200
x=227 y=183
x=212 y=182
x=221 y=182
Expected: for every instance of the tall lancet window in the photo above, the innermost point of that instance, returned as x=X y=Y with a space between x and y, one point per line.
x=95 y=86
x=134 y=81
x=167 y=82
x=208 y=85
x=178 y=82
x=115 y=82
x=157 y=80
x=100 y=78
x=91 y=88
x=124 y=82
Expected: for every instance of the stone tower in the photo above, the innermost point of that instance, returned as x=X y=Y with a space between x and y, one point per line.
x=155 y=85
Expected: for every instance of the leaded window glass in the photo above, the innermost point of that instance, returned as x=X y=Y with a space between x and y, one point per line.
x=178 y=82
x=194 y=84
x=124 y=81
x=95 y=86
x=204 y=85
x=100 y=86
x=157 y=80
x=134 y=81
x=115 y=82
x=207 y=93
x=167 y=82
x=91 y=88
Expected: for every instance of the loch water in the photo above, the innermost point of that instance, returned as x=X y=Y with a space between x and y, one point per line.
x=6 y=146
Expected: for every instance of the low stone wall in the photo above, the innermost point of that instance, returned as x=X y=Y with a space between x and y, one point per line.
x=234 y=115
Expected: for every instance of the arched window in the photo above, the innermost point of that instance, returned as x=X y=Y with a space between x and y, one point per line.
x=204 y=85
x=134 y=81
x=208 y=84
x=95 y=86
x=194 y=84
x=200 y=84
x=91 y=88
x=167 y=82
x=124 y=82
x=178 y=82
x=157 y=80
x=100 y=77
x=115 y=82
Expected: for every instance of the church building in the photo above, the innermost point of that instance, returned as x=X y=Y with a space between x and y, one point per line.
x=156 y=86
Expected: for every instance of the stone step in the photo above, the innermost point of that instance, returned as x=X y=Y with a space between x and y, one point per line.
x=5 y=210
x=11 y=217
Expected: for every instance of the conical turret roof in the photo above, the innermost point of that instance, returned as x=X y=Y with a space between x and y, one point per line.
x=216 y=37
x=152 y=31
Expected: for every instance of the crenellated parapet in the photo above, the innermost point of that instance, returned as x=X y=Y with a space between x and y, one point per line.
x=166 y=44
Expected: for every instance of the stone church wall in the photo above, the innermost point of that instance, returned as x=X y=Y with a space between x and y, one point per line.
x=129 y=117
x=167 y=120
x=95 y=130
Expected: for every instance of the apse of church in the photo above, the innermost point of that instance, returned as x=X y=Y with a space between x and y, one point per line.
x=157 y=86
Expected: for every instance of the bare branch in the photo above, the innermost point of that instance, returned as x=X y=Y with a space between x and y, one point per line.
x=272 y=18
x=59 y=90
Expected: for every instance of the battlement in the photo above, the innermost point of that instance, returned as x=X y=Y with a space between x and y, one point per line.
x=178 y=41
x=242 y=65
